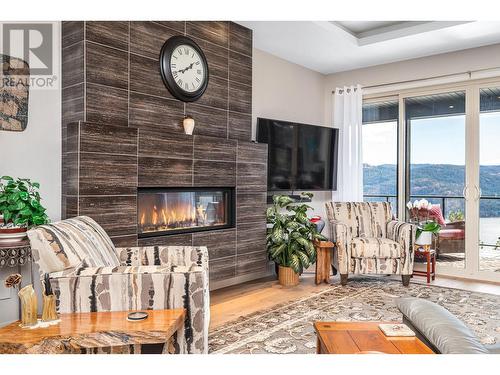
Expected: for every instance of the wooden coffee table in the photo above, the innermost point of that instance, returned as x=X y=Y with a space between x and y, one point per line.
x=363 y=338
x=94 y=332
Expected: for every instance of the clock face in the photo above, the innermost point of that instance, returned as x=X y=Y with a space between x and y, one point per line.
x=187 y=68
x=184 y=68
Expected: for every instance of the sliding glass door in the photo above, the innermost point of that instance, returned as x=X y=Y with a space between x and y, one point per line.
x=441 y=144
x=436 y=166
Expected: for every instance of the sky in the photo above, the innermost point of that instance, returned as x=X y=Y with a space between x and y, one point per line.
x=438 y=140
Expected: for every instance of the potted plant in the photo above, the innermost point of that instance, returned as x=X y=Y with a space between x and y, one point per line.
x=290 y=238
x=426 y=227
x=20 y=208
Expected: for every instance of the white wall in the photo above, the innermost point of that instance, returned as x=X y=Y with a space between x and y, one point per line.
x=35 y=153
x=421 y=68
x=286 y=91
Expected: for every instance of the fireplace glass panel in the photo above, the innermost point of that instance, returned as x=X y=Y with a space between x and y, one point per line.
x=174 y=211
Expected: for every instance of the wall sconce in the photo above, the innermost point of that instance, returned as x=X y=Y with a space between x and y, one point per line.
x=188 y=123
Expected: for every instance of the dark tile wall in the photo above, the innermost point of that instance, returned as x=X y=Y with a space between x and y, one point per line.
x=122 y=130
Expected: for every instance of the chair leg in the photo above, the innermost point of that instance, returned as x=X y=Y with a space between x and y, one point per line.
x=406 y=279
x=343 y=279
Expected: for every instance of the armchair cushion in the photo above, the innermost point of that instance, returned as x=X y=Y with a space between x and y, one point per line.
x=375 y=248
x=71 y=242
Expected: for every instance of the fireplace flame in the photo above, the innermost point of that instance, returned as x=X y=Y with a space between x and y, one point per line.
x=155 y=216
x=162 y=214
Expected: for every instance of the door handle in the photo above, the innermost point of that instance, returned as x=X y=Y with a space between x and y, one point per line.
x=478 y=191
x=465 y=192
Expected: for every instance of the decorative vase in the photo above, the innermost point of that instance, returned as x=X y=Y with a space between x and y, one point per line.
x=49 y=308
x=29 y=306
x=287 y=276
x=425 y=238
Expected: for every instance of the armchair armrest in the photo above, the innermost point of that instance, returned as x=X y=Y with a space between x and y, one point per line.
x=168 y=256
x=341 y=236
x=404 y=234
x=126 y=288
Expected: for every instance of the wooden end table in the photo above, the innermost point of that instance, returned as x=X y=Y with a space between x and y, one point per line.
x=324 y=250
x=425 y=252
x=363 y=338
x=90 y=332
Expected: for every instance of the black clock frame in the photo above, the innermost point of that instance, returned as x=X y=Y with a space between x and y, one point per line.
x=165 y=55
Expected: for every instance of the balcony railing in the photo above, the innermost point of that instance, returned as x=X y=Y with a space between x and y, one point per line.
x=443 y=200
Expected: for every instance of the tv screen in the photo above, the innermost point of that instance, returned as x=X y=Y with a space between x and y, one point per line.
x=300 y=156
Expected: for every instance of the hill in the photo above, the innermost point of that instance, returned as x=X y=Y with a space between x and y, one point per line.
x=436 y=179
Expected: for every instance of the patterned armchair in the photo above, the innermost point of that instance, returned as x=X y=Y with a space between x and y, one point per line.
x=87 y=273
x=369 y=241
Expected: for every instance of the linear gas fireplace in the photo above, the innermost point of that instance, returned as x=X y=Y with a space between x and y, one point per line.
x=163 y=211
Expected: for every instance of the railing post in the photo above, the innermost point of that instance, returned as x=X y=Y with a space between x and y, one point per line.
x=443 y=207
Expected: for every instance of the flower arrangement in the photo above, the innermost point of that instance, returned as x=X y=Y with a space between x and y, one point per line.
x=419 y=210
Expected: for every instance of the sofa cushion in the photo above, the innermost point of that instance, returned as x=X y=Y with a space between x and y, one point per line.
x=375 y=248
x=440 y=327
x=71 y=243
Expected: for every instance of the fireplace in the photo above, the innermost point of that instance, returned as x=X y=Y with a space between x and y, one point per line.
x=164 y=211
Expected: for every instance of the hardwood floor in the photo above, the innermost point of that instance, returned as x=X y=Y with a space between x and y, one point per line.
x=230 y=303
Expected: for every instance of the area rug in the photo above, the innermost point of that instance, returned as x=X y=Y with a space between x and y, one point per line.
x=287 y=328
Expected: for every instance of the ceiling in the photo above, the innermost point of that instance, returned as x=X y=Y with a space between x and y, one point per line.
x=333 y=46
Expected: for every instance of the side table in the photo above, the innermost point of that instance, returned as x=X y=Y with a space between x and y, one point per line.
x=425 y=252
x=324 y=250
x=97 y=332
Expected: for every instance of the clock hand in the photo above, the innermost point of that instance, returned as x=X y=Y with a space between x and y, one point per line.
x=186 y=68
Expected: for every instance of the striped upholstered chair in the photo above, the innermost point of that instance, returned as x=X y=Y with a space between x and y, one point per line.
x=87 y=273
x=369 y=241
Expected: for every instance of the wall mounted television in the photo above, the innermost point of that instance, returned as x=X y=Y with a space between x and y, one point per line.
x=300 y=156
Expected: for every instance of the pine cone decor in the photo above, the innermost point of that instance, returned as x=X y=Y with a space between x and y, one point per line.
x=13 y=280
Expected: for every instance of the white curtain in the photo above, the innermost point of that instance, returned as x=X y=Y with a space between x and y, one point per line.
x=347 y=116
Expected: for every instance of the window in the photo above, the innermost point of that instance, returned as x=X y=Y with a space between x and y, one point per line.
x=380 y=151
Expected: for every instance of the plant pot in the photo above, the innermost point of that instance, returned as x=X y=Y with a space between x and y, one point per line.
x=287 y=276
x=11 y=233
x=425 y=238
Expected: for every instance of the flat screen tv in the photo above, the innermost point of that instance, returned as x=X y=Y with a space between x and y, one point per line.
x=300 y=156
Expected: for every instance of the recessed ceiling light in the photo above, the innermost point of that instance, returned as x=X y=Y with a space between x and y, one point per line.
x=451 y=106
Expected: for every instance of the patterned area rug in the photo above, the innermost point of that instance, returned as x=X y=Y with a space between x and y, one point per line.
x=287 y=328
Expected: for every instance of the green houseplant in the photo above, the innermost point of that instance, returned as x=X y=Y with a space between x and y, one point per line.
x=20 y=207
x=290 y=237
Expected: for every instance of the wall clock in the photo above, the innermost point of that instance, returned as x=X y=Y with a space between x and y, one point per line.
x=184 y=68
